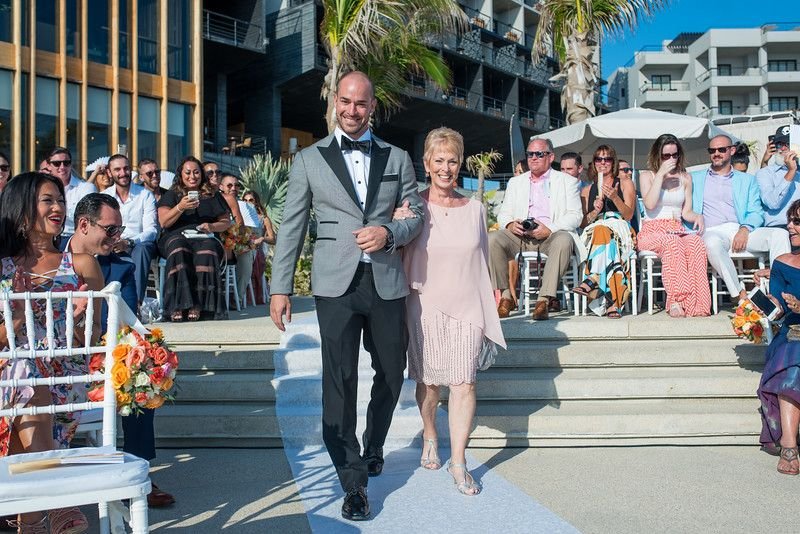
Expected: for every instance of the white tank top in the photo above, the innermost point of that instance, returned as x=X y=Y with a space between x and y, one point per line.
x=670 y=204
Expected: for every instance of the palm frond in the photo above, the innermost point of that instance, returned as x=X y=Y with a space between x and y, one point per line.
x=270 y=179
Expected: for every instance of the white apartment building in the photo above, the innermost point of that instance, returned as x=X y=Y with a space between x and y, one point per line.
x=719 y=73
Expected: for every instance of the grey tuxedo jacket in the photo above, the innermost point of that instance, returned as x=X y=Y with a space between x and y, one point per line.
x=319 y=180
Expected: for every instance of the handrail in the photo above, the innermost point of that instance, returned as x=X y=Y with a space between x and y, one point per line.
x=668 y=86
x=235 y=32
x=728 y=71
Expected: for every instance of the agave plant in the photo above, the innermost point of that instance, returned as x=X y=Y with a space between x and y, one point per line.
x=269 y=177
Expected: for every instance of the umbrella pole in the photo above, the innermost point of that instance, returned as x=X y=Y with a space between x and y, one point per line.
x=633 y=165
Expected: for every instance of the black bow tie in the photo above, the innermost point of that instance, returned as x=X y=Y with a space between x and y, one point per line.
x=349 y=144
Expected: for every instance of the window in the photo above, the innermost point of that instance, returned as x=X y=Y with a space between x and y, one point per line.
x=46 y=115
x=6 y=77
x=179 y=128
x=661 y=82
x=5 y=21
x=124 y=33
x=622 y=92
x=98 y=124
x=148 y=128
x=98 y=35
x=73 y=33
x=782 y=103
x=782 y=65
x=724 y=69
x=124 y=131
x=179 y=41
x=73 y=121
x=148 y=36
x=726 y=107
x=46 y=30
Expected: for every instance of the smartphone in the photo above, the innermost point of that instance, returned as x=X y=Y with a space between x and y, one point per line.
x=763 y=303
x=770 y=139
x=193 y=195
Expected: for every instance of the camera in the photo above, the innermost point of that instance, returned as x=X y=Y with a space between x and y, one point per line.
x=529 y=224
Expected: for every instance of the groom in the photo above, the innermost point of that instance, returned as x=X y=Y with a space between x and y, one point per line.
x=353 y=182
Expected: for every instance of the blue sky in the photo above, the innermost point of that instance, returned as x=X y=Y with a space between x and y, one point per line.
x=692 y=16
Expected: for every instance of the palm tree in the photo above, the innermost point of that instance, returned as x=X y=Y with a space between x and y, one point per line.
x=572 y=29
x=386 y=39
x=482 y=164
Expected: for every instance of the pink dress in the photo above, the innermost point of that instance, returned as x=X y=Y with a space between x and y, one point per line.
x=451 y=306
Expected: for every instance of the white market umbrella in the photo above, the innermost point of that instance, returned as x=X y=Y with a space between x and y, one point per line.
x=632 y=131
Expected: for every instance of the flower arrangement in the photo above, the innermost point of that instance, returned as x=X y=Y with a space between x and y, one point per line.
x=238 y=239
x=749 y=323
x=143 y=373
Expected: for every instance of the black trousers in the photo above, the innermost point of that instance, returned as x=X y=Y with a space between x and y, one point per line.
x=341 y=322
x=140 y=436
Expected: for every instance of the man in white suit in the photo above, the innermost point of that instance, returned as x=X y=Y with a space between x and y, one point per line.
x=541 y=210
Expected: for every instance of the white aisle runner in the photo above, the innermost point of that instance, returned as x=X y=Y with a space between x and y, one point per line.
x=405 y=496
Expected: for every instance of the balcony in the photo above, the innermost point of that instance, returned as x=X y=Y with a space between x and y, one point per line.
x=234 y=32
x=498 y=28
x=728 y=111
x=732 y=77
x=665 y=92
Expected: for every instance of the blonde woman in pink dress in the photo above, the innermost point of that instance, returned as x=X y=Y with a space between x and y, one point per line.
x=451 y=306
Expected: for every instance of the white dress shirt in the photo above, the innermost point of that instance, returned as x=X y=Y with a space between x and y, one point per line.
x=75 y=191
x=358 y=166
x=138 y=213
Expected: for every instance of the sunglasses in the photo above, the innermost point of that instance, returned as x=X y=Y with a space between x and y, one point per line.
x=214 y=172
x=151 y=174
x=780 y=144
x=794 y=221
x=603 y=159
x=4 y=168
x=537 y=153
x=719 y=149
x=625 y=169
x=59 y=162
x=111 y=230
x=666 y=155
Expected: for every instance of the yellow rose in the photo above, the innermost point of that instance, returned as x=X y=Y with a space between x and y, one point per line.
x=119 y=375
x=739 y=321
x=120 y=352
x=123 y=398
x=754 y=317
x=166 y=385
x=155 y=402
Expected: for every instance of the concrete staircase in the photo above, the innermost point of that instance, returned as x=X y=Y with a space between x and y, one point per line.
x=570 y=381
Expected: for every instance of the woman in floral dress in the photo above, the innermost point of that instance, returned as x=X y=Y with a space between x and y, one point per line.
x=33 y=213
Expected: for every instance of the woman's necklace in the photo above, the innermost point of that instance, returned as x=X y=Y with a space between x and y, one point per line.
x=444 y=202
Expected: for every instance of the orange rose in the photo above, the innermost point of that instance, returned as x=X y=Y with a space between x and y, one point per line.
x=120 y=352
x=160 y=355
x=97 y=363
x=754 y=317
x=155 y=402
x=119 y=375
x=739 y=321
x=123 y=399
x=136 y=356
x=157 y=333
x=96 y=394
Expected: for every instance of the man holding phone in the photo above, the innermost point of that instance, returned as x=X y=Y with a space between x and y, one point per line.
x=778 y=181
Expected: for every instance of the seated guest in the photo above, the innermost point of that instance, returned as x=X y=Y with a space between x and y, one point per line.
x=521 y=167
x=33 y=209
x=778 y=182
x=730 y=203
x=740 y=160
x=138 y=208
x=667 y=195
x=5 y=170
x=608 y=202
x=779 y=389
x=231 y=198
x=98 y=227
x=244 y=261
x=213 y=173
x=59 y=164
x=192 y=284
x=266 y=231
x=550 y=199
x=572 y=164
x=151 y=177
x=100 y=178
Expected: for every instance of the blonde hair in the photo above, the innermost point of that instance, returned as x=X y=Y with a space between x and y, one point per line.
x=444 y=136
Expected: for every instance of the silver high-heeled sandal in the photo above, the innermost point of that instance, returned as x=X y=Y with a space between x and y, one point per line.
x=432 y=458
x=466 y=486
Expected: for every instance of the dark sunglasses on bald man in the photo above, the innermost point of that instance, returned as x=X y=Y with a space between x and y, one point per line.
x=537 y=153
x=719 y=149
x=110 y=229
x=151 y=174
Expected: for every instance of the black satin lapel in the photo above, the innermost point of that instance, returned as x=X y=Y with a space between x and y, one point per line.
x=335 y=160
x=377 y=164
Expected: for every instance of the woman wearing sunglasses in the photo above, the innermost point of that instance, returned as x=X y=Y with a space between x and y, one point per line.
x=667 y=196
x=268 y=237
x=608 y=206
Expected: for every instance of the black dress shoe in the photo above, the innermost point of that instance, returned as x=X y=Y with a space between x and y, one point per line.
x=356 y=505
x=374 y=459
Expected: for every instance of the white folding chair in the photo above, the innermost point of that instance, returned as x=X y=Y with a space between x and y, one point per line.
x=66 y=486
x=651 y=269
x=532 y=266
x=744 y=275
x=230 y=282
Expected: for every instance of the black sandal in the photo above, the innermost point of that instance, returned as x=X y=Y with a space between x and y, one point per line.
x=588 y=283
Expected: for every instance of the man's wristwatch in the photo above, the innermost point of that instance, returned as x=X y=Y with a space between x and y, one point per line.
x=389 y=240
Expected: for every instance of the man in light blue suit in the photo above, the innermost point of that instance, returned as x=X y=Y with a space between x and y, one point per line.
x=730 y=204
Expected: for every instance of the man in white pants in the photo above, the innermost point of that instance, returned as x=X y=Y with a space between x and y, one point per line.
x=733 y=215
